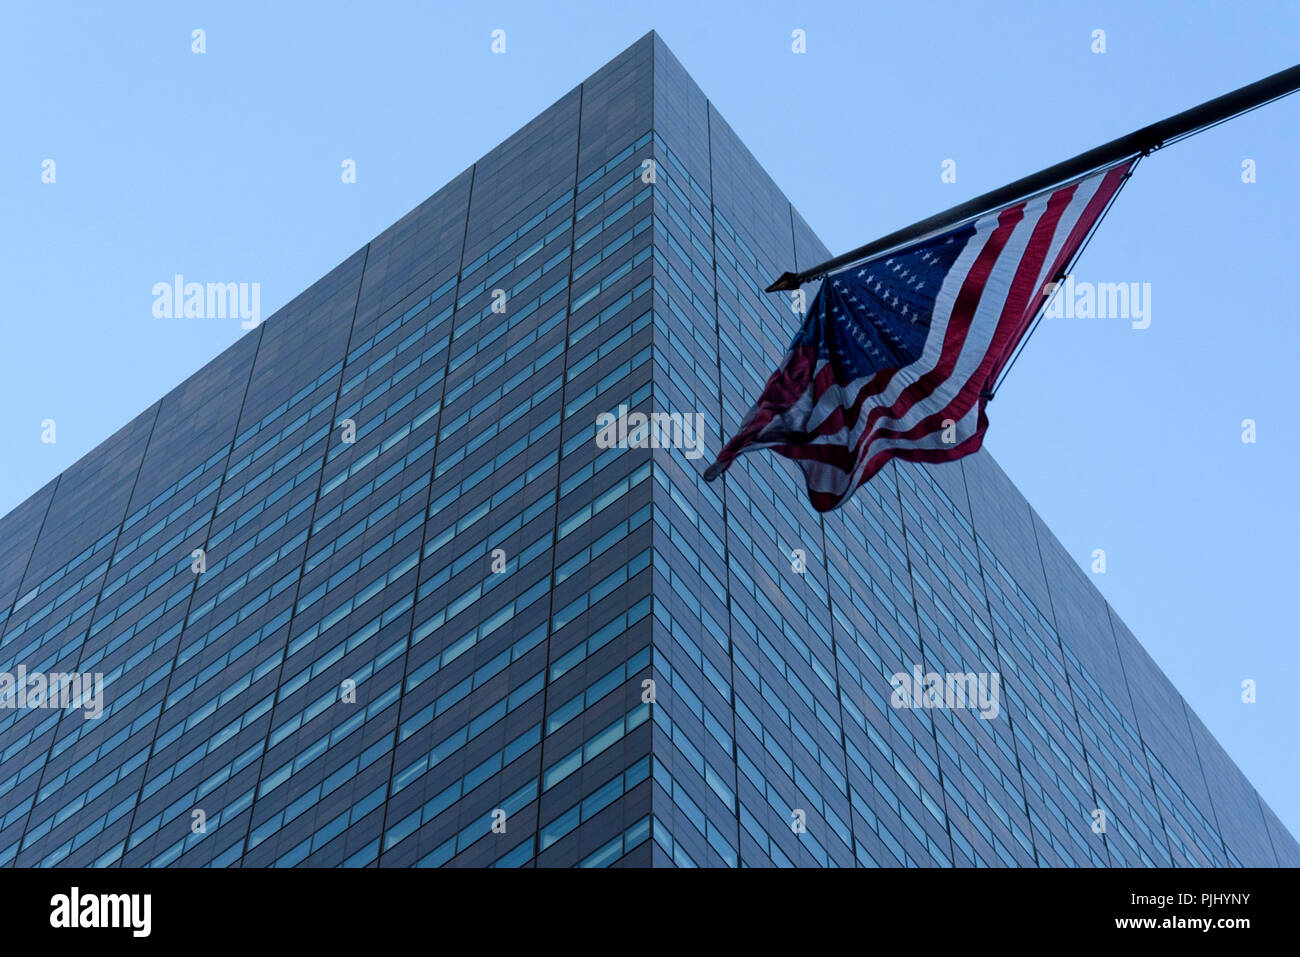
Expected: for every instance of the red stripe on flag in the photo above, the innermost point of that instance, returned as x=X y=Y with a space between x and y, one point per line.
x=1011 y=321
x=963 y=314
x=1110 y=185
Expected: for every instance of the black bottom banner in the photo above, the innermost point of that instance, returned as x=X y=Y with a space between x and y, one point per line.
x=136 y=907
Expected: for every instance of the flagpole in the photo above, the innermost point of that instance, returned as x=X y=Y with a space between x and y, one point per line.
x=1141 y=141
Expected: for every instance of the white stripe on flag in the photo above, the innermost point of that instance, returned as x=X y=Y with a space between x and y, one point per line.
x=832 y=480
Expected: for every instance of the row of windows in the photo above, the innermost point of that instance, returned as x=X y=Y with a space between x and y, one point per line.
x=981 y=663
x=223 y=563
x=591 y=805
x=556 y=772
x=712 y=833
x=761 y=731
x=827 y=720
x=71 y=592
x=202 y=713
x=119 y=699
x=393 y=325
x=622 y=845
x=1111 y=722
x=1008 y=664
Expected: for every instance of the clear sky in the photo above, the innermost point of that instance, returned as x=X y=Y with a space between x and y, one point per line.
x=225 y=166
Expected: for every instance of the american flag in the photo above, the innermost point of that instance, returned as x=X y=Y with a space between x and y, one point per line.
x=898 y=354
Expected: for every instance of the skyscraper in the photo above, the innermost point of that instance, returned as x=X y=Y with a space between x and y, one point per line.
x=369 y=588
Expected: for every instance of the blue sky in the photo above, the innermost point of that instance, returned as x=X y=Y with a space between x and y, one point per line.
x=226 y=166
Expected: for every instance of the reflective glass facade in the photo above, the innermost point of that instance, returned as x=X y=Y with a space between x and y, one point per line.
x=432 y=608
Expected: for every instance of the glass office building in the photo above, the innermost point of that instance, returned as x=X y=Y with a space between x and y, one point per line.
x=367 y=591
